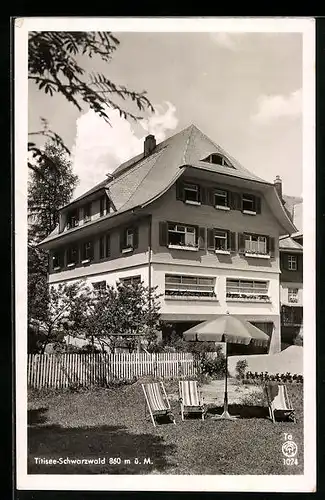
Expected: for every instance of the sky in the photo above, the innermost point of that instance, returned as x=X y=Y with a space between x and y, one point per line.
x=243 y=90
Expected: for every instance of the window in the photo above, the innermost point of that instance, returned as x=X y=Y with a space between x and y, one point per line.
x=87 y=212
x=248 y=203
x=220 y=198
x=180 y=235
x=87 y=251
x=217 y=159
x=72 y=219
x=129 y=239
x=292 y=262
x=72 y=256
x=57 y=259
x=191 y=193
x=104 y=205
x=131 y=280
x=293 y=295
x=99 y=285
x=291 y=316
x=247 y=290
x=178 y=285
x=255 y=244
x=221 y=240
x=104 y=246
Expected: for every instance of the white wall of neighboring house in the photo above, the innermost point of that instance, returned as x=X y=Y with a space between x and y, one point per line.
x=284 y=289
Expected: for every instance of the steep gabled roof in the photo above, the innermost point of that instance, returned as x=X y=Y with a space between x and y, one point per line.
x=141 y=180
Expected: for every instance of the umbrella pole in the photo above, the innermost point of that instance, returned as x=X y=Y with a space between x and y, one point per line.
x=225 y=415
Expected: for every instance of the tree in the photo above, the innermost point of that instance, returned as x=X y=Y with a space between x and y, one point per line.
x=60 y=317
x=54 y=65
x=51 y=186
x=127 y=311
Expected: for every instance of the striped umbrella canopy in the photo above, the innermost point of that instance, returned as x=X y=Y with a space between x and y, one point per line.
x=229 y=329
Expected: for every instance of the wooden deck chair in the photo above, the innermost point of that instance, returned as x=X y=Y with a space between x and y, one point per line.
x=279 y=402
x=157 y=401
x=190 y=398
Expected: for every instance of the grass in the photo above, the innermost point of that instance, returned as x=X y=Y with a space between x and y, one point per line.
x=111 y=424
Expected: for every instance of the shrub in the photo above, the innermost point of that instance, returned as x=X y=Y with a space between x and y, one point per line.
x=241 y=366
x=214 y=367
x=255 y=398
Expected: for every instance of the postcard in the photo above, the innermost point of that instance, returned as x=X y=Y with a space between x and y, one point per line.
x=165 y=254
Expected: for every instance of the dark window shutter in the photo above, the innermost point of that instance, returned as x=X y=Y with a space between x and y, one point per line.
x=202 y=238
x=122 y=239
x=163 y=234
x=235 y=201
x=299 y=262
x=241 y=242
x=232 y=241
x=135 y=237
x=209 y=196
x=285 y=261
x=210 y=238
x=271 y=246
x=91 y=250
x=257 y=204
x=108 y=245
x=202 y=194
x=180 y=191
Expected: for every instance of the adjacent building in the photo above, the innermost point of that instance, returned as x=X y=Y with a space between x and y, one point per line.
x=187 y=217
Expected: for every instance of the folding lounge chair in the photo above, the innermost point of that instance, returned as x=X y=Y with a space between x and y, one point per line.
x=190 y=399
x=157 y=401
x=279 y=402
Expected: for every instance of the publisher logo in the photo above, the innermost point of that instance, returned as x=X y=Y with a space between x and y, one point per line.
x=289 y=449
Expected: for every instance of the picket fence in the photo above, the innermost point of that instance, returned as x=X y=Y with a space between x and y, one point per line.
x=85 y=370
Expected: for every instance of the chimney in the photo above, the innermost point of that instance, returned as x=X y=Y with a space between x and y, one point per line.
x=149 y=144
x=278 y=186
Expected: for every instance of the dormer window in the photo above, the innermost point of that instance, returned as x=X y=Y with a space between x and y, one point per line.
x=191 y=194
x=103 y=205
x=87 y=212
x=72 y=219
x=217 y=159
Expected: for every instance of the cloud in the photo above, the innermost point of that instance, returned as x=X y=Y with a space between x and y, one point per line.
x=230 y=41
x=272 y=107
x=99 y=148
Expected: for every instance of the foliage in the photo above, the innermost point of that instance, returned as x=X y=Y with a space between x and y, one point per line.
x=128 y=312
x=51 y=186
x=54 y=65
x=255 y=398
x=61 y=315
x=213 y=365
x=278 y=377
x=241 y=367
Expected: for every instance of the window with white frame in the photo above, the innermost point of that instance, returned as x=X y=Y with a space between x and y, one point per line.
x=72 y=255
x=247 y=289
x=180 y=235
x=131 y=280
x=87 y=212
x=221 y=240
x=57 y=259
x=87 y=251
x=293 y=295
x=255 y=244
x=220 y=198
x=292 y=262
x=191 y=193
x=249 y=203
x=182 y=285
x=72 y=219
x=129 y=238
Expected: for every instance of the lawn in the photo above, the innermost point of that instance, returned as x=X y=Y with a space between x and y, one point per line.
x=111 y=425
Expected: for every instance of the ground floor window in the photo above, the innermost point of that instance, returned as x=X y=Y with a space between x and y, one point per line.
x=247 y=289
x=176 y=284
x=131 y=280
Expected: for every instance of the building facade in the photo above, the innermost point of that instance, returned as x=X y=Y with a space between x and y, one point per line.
x=188 y=218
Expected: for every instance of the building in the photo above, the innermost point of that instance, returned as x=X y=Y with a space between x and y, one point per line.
x=291 y=278
x=188 y=218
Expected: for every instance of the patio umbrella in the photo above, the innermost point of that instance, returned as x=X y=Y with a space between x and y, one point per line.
x=226 y=329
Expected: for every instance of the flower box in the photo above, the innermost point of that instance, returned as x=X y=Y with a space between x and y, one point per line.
x=221 y=207
x=257 y=255
x=222 y=252
x=192 y=202
x=184 y=247
x=127 y=249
